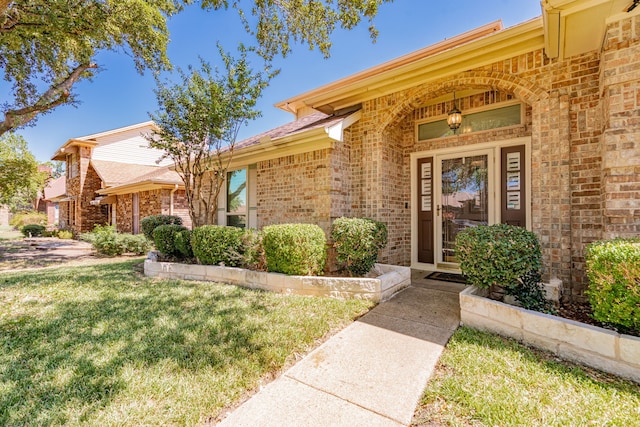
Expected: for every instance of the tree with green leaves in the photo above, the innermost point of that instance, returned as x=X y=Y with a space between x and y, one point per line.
x=277 y=24
x=47 y=46
x=20 y=179
x=198 y=121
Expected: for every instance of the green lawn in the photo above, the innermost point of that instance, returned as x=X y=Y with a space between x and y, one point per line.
x=103 y=345
x=9 y=233
x=486 y=380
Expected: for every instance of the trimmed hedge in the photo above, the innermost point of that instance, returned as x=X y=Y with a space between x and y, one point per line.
x=182 y=241
x=498 y=254
x=218 y=244
x=149 y=223
x=295 y=249
x=164 y=237
x=613 y=269
x=357 y=242
x=32 y=230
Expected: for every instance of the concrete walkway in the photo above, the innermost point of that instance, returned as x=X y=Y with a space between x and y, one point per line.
x=372 y=373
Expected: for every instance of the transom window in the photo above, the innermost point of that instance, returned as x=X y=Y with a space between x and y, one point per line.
x=509 y=115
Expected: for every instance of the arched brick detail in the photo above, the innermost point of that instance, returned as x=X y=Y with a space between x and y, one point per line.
x=523 y=89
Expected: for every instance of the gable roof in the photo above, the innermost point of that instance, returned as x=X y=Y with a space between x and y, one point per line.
x=56 y=188
x=114 y=173
x=161 y=177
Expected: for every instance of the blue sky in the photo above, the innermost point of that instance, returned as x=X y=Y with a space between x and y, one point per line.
x=118 y=96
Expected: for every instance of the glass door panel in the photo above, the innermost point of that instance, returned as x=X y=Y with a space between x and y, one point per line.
x=464 y=199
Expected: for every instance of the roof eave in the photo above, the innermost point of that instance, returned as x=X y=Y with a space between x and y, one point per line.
x=507 y=43
x=140 y=186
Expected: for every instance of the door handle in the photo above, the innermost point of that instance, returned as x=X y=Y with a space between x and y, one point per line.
x=438 y=210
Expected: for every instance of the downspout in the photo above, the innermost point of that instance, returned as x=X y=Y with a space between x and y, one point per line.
x=175 y=188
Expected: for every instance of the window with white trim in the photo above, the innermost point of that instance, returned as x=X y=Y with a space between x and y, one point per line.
x=236 y=196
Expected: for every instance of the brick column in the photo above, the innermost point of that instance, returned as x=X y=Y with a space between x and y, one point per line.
x=620 y=88
x=550 y=181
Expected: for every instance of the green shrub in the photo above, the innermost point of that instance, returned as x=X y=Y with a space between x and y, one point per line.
x=530 y=293
x=164 y=237
x=20 y=219
x=217 y=244
x=295 y=249
x=134 y=243
x=149 y=223
x=64 y=234
x=32 y=230
x=105 y=240
x=497 y=254
x=87 y=237
x=613 y=268
x=182 y=241
x=357 y=242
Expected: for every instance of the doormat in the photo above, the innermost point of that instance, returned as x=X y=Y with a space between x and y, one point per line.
x=447 y=277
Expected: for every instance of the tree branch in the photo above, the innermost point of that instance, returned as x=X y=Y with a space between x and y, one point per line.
x=56 y=95
x=4 y=6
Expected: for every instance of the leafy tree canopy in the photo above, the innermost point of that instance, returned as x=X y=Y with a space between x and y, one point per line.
x=277 y=24
x=47 y=46
x=198 y=122
x=20 y=179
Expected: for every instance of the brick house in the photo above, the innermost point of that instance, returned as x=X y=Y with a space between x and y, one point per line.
x=549 y=140
x=55 y=191
x=118 y=159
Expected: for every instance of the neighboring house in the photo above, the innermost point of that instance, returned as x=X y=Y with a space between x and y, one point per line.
x=113 y=159
x=549 y=140
x=55 y=191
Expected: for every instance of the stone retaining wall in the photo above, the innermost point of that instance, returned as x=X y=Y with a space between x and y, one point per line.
x=377 y=289
x=599 y=348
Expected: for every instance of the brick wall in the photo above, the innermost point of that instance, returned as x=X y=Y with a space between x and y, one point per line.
x=582 y=115
x=620 y=87
x=90 y=215
x=295 y=189
x=124 y=213
x=80 y=215
x=153 y=202
x=562 y=116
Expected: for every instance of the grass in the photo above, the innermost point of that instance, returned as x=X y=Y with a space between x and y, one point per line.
x=483 y=379
x=9 y=233
x=103 y=345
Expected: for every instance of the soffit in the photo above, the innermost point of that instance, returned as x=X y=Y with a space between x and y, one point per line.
x=574 y=27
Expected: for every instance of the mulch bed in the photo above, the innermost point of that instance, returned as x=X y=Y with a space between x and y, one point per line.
x=581 y=312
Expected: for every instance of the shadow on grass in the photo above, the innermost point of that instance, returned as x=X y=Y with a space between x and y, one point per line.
x=67 y=353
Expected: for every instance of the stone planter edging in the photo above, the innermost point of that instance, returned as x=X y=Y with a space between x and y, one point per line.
x=599 y=348
x=377 y=289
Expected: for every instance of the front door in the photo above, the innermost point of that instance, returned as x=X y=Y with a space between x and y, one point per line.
x=462 y=199
x=458 y=190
